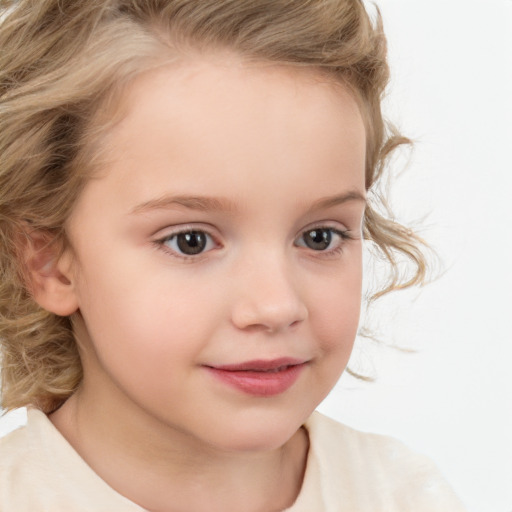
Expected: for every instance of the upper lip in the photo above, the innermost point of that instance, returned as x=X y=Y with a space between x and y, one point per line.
x=260 y=365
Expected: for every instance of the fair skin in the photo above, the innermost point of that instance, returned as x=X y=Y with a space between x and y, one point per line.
x=276 y=274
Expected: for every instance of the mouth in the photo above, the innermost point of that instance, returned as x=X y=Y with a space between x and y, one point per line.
x=262 y=378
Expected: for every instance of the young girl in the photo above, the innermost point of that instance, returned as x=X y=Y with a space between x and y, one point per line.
x=185 y=188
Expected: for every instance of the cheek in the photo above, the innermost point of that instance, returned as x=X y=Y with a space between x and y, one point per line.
x=335 y=318
x=147 y=347
x=143 y=322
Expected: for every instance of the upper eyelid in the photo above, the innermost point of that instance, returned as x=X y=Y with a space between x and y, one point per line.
x=165 y=234
x=344 y=234
x=333 y=225
x=169 y=231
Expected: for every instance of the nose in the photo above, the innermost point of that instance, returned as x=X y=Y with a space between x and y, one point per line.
x=267 y=297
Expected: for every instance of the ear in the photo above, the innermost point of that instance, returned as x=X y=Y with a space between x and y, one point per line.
x=49 y=274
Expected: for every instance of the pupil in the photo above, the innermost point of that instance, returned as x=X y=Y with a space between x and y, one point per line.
x=191 y=243
x=318 y=239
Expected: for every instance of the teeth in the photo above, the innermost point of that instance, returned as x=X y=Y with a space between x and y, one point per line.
x=276 y=370
x=272 y=370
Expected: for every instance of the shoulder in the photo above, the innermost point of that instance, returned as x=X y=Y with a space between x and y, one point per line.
x=335 y=440
x=17 y=465
x=379 y=472
x=40 y=471
x=14 y=448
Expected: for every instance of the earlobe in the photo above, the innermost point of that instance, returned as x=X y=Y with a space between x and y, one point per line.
x=49 y=275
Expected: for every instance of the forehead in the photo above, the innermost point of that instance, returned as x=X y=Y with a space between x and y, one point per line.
x=215 y=121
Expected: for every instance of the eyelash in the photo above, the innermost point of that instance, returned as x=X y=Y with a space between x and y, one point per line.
x=161 y=242
x=344 y=236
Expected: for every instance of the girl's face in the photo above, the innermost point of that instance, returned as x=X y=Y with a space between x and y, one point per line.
x=217 y=259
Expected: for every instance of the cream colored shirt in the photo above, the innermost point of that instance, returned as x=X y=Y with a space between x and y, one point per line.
x=347 y=471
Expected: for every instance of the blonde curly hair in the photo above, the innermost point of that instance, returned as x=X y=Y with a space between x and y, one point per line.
x=63 y=63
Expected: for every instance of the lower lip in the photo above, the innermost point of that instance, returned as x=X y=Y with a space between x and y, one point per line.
x=259 y=383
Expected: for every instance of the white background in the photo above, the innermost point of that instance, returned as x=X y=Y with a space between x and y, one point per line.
x=452 y=81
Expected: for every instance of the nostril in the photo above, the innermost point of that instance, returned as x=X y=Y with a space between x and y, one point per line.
x=253 y=317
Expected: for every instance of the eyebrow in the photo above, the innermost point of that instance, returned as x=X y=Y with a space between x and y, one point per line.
x=329 y=202
x=200 y=203
x=217 y=204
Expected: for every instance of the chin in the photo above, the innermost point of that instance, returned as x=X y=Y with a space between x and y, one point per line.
x=254 y=442
x=258 y=432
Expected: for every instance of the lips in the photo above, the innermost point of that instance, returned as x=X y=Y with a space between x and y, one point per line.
x=260 y=377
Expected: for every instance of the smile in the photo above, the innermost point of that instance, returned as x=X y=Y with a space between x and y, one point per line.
x=260 y=378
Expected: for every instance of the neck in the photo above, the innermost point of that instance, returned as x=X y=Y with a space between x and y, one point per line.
x=120 y=445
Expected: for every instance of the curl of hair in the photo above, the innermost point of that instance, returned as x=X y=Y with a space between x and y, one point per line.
x=63 y=63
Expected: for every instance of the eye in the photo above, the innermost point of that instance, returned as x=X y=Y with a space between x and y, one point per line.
x=189 y=243
x=322 y=239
